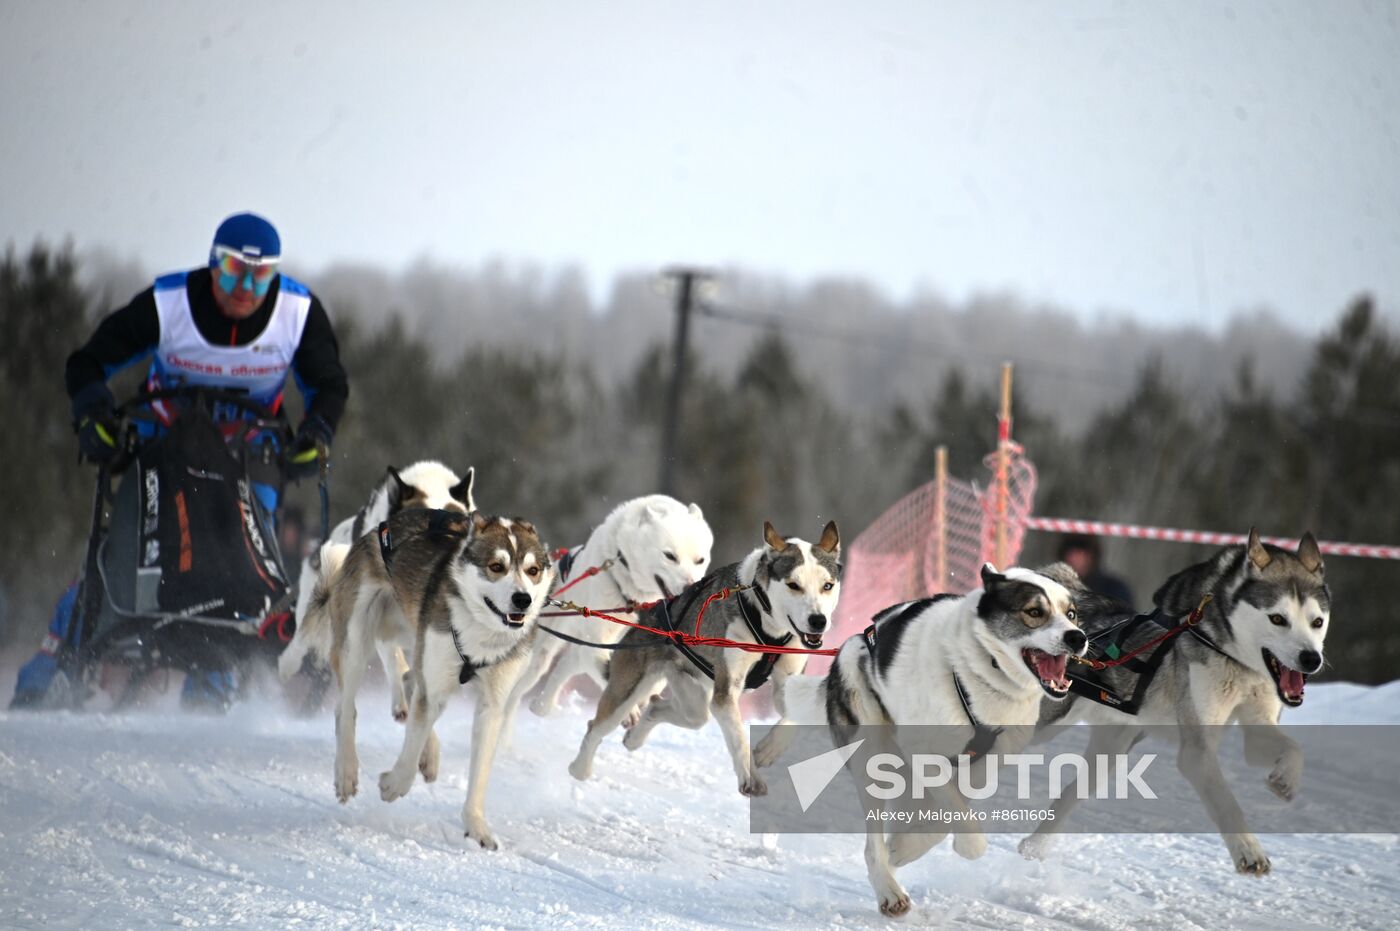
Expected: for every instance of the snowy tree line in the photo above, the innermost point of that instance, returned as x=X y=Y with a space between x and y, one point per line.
x=829 y=406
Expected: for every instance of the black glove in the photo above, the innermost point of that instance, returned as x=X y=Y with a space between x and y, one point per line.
x=95 y=419
x=312 y=441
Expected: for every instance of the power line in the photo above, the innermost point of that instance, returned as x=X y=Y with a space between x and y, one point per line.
x=1367 y=414
x=902 y=345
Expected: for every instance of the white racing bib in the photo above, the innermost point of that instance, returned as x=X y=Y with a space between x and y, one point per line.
x=185 y=357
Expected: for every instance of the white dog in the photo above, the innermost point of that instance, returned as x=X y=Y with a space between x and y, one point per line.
x=647 y=549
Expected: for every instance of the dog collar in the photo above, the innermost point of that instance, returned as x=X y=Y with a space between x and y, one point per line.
x=469 y=668
x=564 y=562
x=1212 y=644
x=755 y=624
x=762 y=597
x=983 y=736
x=631 y=603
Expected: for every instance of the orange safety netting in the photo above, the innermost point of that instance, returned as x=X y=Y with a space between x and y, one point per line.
x=896 y=558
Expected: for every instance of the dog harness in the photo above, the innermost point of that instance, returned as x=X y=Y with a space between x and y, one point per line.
x=442 y=526
x=564 y=562
x=983 y=735
x=763 y=669
x=1114 y=641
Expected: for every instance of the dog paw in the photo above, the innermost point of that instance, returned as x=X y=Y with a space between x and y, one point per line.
x=1283 y=782
x=429 y=758
x=1249 y=857
x=542 y=708
x=392 y=785
x=766 y=753
x=1033 y=846
x=400 y=713
x=581 y=769
x=1253 y=866
x=971 y=845
x=753 y=786
x=347 y=782
x=634 y=738
x=477 y=830
x=894 y=903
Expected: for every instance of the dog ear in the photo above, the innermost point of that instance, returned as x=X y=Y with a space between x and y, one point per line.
x=525 y=526
x=695 y=511
x=831 y=540
x=479 y=521
x=990 y=576
x=462 y=491
x=770 y=536
x=1258 y=556
x=1063 y=573
x=1308 y=553
x=653 y=513
x=400 y=491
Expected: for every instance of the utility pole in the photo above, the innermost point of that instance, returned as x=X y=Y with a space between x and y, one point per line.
x=686 y=281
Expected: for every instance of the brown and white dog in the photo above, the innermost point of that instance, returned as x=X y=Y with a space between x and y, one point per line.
x=461 y=593
x=425 y=484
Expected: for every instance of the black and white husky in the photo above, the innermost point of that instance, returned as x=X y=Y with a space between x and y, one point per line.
x=792 y=588
x=985 y=659
x=1250 y=655
x=461 y=594
x=425 y=484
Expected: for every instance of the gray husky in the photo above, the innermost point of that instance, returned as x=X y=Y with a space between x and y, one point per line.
x=985 y=659
x=461 y=594
x=792 y=587
x=1249 y=656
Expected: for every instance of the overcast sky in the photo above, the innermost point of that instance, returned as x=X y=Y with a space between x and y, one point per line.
x=1160 y=160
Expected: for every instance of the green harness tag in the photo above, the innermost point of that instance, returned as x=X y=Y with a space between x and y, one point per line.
x=1112 y=652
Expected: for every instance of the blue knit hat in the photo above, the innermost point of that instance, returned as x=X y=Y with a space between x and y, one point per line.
x=248 y=234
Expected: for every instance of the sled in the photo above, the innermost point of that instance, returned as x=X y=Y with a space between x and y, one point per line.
x=182 y=568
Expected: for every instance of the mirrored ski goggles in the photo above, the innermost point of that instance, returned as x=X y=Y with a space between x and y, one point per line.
x=235 y=268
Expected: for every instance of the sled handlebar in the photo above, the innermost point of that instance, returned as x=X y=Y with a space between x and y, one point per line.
x=189 y=392
x=138 y=409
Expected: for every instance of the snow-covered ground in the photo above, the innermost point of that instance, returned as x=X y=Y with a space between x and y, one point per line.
x=155 y=818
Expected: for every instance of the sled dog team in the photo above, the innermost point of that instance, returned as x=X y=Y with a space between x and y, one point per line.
x=448 y=596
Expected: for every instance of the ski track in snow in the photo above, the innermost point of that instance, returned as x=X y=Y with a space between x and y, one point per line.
x=155 y=818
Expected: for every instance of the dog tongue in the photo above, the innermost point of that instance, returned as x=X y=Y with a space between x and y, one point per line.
x=1050 y=667
x=1290 y=681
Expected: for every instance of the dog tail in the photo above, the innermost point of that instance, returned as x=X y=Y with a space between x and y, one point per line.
x=804 y=699
x=313 y=633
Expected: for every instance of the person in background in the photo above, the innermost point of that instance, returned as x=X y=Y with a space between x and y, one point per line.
x=1084 y=556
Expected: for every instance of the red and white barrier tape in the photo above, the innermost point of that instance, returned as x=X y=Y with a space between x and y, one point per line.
x=1137 y=532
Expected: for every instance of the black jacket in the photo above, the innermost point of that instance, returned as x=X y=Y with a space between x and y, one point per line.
x=127 y=336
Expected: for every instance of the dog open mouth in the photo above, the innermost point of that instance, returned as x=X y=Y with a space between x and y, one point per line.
x=1289 y=682
x=811 y=641
x=1050 y=670
x=665 y=592
x=513 y=619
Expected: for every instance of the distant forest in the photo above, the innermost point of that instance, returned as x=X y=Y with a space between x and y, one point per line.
x=803 y=404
